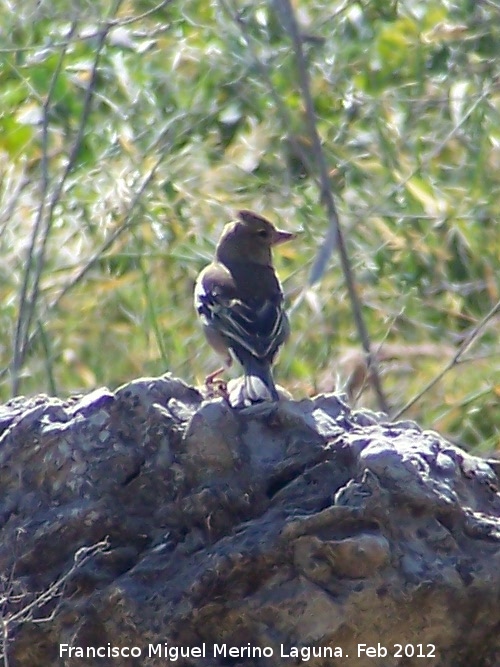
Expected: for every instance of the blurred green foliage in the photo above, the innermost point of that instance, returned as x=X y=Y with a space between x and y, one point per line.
x=196 y=111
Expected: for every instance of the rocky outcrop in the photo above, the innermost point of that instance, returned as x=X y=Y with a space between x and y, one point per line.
x=146 y=523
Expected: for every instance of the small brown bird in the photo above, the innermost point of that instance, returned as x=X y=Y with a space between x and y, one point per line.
x=239 y=300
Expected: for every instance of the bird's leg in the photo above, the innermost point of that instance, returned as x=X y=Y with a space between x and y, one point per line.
x=216 y=386
x=210 y=379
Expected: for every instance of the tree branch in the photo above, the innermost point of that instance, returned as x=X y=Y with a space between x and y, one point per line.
x=464 y=346
x=334 y=234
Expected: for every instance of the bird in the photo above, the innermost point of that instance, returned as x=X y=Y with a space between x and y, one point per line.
x=239 y=300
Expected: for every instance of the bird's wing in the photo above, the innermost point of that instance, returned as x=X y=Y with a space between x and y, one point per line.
x=258 y=326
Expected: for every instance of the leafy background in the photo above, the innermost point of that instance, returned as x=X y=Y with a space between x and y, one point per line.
x=131 y=131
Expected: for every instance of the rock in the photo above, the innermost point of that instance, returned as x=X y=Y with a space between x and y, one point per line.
x=147 y=522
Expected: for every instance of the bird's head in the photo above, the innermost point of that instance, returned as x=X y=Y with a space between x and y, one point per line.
x=250 y=238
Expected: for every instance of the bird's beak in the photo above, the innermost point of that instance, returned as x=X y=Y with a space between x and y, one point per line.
x=280 y=236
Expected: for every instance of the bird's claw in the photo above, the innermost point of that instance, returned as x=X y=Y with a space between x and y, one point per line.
x=216 y=387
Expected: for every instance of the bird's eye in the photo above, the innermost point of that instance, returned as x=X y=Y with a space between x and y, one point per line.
x=262 y=233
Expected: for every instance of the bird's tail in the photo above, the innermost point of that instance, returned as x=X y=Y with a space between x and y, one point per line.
x=259 y=382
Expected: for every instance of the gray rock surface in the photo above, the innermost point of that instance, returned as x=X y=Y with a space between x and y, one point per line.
x=301 y=531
